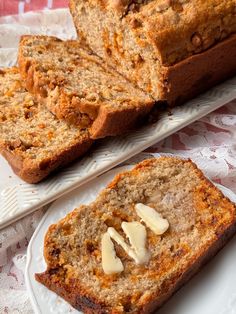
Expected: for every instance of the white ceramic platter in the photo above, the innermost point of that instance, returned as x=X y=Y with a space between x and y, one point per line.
x=211 y=291
x=18 y=198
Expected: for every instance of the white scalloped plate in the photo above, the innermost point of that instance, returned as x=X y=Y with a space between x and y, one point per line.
x=18 y=198
x=211 y=291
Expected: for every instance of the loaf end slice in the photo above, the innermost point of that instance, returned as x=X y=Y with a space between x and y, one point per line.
x=33 y=140
x=79 y=87
x=200 y=218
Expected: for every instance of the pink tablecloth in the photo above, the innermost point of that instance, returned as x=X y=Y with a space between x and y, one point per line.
x=9 y=7
x=210 y=142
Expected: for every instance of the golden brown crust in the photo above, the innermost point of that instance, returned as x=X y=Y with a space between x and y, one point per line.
x=83 y=298
x=198 y=73
x=119 y=122
x=32 y=140
x=82 y=301
x=170 y=39
x=76 y=296
x=32 y=172
x=185 y=27
x=193 y=269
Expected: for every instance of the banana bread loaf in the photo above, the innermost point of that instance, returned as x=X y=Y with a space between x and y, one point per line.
x=163 y=46
x=200 y=221
x=33 y=140
x=77 y=86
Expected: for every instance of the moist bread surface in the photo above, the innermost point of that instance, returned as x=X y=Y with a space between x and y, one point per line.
x=32 y=139
x=143 y=38
x=201 y=219
x=79 y=87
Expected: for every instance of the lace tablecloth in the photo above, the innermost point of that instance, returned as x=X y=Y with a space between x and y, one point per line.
x=210 y=142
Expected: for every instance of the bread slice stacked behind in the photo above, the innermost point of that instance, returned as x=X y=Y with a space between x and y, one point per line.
x=33 y=140
x=200 y=221
x=61 y=97
x=79 y=87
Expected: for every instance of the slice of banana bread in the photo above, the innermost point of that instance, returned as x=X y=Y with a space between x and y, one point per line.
x=77 y=86
x=144 y=39
x=200 y=221
x=33 y=140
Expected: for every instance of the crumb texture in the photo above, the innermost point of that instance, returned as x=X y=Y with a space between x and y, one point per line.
x=32 y=137
x=198 y=215
x=142 y=38
x=78 y=86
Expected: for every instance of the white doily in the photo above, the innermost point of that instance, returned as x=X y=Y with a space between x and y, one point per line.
x=55 y=22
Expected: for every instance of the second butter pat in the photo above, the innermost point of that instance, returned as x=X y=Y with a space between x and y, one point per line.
x=152 y=218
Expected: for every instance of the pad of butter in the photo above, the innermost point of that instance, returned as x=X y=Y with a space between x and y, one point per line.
x=152 y=218
x=137 y=236
x=111 y=264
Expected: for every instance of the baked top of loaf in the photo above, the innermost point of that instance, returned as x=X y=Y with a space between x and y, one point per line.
x=32 y=139
x=78 y=87
x=145 y=40
x=177 y=29
x=200 y=220
x=185 y=27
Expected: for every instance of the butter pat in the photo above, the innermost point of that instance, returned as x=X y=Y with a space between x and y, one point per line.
x=152 y=218
x=111 y=264
x=137 y=235
x=120 y=240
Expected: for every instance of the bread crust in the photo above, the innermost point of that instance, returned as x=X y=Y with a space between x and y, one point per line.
x=78 y=299
x=194 y=268
x=196 y=74
x=33 y=173
x=119 y=122
x=32 y=140
x=191 y=50
x=184 y=27
x=102 y=120
x=82 y=299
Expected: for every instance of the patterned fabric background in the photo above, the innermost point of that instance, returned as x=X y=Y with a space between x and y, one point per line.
x=8 y=7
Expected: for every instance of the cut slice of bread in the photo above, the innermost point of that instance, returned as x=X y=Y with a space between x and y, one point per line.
x=77 y=86
x=200 y=220
x=32 y=139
